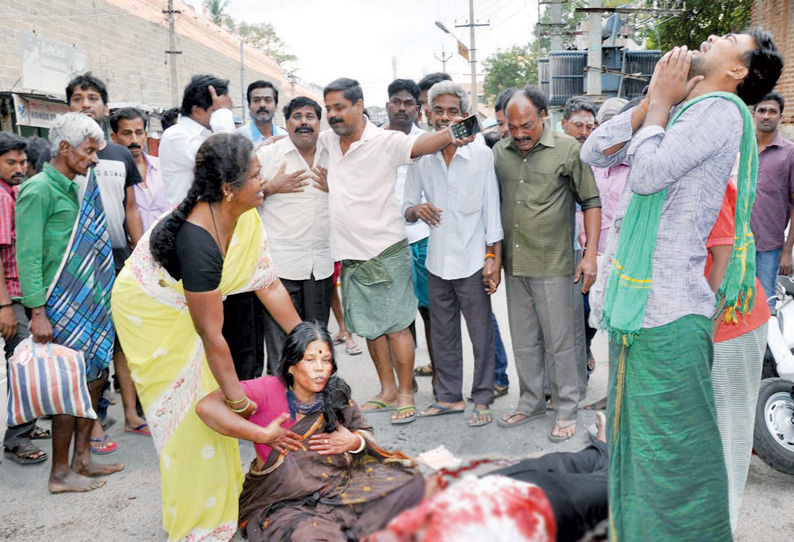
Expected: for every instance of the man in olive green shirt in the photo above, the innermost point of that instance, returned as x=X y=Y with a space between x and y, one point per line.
x=541 y=179
x=46 y=211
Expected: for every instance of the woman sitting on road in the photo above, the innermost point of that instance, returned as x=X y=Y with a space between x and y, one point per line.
x=318 y=474
x=168 y=312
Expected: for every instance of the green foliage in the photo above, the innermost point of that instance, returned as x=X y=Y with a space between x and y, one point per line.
x=216 y=9
x=263 y=36
x=516 y=67
x=702 y=18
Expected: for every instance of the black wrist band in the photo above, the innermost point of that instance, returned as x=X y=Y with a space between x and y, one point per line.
x=4 y=305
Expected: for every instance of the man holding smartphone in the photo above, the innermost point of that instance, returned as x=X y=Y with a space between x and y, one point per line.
x=463 y=257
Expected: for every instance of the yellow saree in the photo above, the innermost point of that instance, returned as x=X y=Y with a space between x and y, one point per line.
x=200 y=470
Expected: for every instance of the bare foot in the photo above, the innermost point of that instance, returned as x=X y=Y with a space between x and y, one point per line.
x=72 y=482
x=601 y=427
x=90 y=468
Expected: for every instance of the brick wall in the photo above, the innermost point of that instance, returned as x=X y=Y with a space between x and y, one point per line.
x=126 y=40
x=777 y=16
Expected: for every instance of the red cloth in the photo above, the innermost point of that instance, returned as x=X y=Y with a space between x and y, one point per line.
x=270 y=396
x=8 y=238
x=722 y=235
x=483 y=509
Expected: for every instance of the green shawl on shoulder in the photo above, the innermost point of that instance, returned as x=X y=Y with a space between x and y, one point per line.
x=629 y=283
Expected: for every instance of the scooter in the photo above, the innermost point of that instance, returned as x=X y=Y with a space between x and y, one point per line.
x=773 y=437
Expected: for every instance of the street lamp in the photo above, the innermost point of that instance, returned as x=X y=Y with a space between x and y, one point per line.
x=468 y=53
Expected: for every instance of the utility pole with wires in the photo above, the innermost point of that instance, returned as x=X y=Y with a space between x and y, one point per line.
x=443 y=59
x=172 y=52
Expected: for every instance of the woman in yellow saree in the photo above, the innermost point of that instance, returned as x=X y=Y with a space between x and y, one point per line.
x=168 y=311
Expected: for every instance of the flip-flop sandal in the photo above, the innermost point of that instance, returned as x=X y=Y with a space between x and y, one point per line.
x=559 y=425
x=142 y=429
x=480 y=422
x=499 y=391
x=380 y=406
x=353 y=350
x=409 y=419
x=22 y=454
x=423 y=370
x=529 y=417
x=441 y=410
x=338 y=340
x=39 y=433
x=601 y=404
x=102 y=446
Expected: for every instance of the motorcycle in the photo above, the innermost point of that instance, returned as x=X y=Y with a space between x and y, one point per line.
x=773 y=437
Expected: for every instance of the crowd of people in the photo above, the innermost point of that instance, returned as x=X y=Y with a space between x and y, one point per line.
x=207 y=276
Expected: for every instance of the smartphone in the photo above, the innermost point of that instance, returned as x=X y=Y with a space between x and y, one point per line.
x=467 y=127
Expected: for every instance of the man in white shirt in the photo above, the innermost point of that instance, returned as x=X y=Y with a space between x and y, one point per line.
x=206 y=110
x=463 y=256
x=295 y=216
x=403 y=108
x=368 y=236
x=262 y=99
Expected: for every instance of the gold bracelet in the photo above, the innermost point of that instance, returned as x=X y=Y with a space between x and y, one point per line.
x=238 y=401
x=241 y=410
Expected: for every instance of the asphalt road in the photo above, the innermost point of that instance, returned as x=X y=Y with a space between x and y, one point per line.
x=128 y=508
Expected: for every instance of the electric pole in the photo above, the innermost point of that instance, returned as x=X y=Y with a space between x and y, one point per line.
x=472 y=54
x=244 y=97
x=172 y=52
x=443 y=59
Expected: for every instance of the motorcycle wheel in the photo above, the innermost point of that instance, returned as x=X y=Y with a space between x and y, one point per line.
x=773 y=437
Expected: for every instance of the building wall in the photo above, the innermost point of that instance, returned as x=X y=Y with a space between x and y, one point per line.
x=777 y=16
x=126 y=41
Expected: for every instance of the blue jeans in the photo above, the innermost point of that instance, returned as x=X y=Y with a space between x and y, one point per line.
x=501 y=357
x=766 y=264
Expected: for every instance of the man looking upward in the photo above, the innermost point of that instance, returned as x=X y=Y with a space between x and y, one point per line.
x=658 y=305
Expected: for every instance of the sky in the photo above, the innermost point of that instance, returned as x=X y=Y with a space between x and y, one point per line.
x=360 y=38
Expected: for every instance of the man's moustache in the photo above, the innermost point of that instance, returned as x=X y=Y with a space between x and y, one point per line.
x=522 y=139
x=263 y=110
x=334 y=120
x=305 y=130
x=133 y=146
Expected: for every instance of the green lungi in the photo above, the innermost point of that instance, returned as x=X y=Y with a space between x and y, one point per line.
x=667 y=477
x=378 y=294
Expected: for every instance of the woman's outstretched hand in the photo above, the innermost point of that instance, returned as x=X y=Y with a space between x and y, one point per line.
x=337 y=442
x=279 y=438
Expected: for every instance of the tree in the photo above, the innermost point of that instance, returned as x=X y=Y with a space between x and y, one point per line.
x=516 y=67
x=702 y=18
x=216 y=9
x=263 y=36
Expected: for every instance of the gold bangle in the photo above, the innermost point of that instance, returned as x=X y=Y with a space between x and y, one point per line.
x=241 y=410
x=238 y=401
x=490 y=255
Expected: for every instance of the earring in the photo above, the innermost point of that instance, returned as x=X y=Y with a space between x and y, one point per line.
x=229 y=196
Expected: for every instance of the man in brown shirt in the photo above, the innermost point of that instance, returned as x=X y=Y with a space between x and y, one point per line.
x=541 y=179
